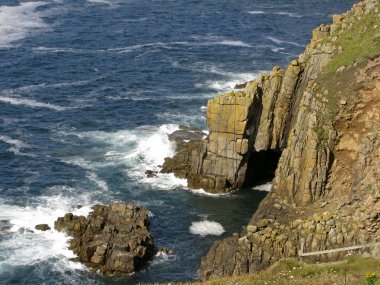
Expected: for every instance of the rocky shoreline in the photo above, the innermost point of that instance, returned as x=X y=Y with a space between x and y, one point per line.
x=313 y=128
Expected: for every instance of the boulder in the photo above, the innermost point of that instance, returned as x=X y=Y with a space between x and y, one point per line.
x=114 y=240
x=42 y=227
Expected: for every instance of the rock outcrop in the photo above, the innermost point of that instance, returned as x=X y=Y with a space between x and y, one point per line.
x=250 y=128
x=113 y=239
x=322 y=114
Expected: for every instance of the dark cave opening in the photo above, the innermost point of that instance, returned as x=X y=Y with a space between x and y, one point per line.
x=261 y=167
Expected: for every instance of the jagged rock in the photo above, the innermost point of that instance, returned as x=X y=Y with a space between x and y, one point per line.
x=113 y=239
x=251 y=228
x=185 y=160
x=241 y=85
x=165 y=250
x=42 y=227
x=185 y=134
x=151 y=173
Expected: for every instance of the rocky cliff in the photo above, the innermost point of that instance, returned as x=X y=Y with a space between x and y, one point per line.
x=315 y=127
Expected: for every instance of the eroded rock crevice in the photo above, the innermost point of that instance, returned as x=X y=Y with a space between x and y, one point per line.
x=261 y=167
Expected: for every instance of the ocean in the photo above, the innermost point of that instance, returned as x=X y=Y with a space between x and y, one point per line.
x=89 y=91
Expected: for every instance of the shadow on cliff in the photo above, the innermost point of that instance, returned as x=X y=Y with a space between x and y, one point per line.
x=261 y=167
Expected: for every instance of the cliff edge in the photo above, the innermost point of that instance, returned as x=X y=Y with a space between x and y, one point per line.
x=314 y=127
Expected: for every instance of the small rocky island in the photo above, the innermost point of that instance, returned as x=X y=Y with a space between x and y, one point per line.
x=114 y=240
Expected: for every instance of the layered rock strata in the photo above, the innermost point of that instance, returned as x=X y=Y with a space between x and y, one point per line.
x=114 y=240
x=324 y=118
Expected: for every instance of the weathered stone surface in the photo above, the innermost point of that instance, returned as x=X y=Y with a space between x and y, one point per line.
x=113 y=239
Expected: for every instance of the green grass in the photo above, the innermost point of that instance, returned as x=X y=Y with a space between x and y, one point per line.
x=360 y=41
x=351 y=271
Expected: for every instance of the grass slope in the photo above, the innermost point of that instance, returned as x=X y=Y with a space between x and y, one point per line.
x=352 y=271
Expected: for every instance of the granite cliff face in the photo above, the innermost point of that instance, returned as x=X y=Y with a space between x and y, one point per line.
x=315 y=128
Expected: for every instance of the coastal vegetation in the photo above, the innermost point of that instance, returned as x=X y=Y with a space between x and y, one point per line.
x=355 y=270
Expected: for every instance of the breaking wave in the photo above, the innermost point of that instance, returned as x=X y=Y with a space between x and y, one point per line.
x=30 y=103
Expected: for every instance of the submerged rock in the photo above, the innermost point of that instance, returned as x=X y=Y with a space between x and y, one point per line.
x=113 y=239
x=42 y=227
x=5 y=226
x=151 y=173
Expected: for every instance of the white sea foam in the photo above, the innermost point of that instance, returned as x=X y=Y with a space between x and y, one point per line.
x=27 y=245
x=264 y=187
x=256 y=12
x=281 y=13
x=278 y=41
x=140 y=46
x=15 y=146
x=289 y=14
x=230 y=43
x=17 y=22
x=169 y=45
x=202 y=192
x=137 y=19
x=30 y=103
x=217 y=40
x=277 y=49
x=16 y=143
x=150 y=152
x=230 y=80
x=99 y=182
x=33 y=87
x=205 y=228
x=7 y=121
x=111 y=3
x=60 y=49
x=138 y=150
x=162 y=257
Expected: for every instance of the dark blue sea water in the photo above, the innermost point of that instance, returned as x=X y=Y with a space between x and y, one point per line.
x=89 y=91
